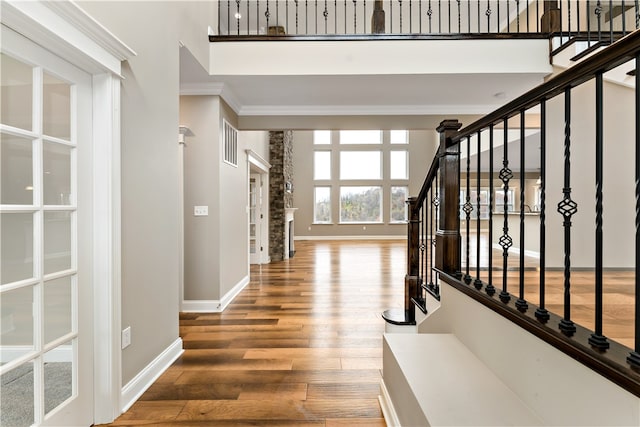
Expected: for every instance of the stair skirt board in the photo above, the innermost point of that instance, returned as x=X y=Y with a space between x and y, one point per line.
x=388 y=410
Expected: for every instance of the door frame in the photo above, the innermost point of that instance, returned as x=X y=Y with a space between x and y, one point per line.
x=70 y=33
x=261 y=167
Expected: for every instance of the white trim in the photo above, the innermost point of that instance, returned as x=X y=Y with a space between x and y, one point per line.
x=388 y=410
x=214 y=306
x=256 y=160
x=212 y=88
x=362 y=110
x=403 y=237
x=68 y=31
x=107 y=247
x=146 y=377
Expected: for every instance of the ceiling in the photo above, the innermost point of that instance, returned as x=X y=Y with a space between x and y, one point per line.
x=322 y=95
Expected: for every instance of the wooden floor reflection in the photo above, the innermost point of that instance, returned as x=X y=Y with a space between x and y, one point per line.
x=301 y=345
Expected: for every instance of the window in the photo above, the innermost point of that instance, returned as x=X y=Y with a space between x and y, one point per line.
x=322 y=205
x=360 y=137
x=399 y=169
x=399 y=137
x=360 y=204
x=399 y=206
x=360 y=165
x=229 y=143
x=322 y=165
x=322 y=137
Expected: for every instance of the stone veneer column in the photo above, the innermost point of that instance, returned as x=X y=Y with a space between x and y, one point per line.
x=281 y=172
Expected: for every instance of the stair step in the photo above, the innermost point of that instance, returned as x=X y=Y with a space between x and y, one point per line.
x=454 y=388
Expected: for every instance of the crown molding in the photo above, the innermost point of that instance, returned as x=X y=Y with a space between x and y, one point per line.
x=212 y=88
x=362 y=110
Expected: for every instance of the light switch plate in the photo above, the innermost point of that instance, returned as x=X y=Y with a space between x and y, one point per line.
x=200 y=210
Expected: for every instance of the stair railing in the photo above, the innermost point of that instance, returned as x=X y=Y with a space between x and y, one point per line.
x=452 y=198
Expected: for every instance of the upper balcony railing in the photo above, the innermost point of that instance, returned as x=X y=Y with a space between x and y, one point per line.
x=398 y=19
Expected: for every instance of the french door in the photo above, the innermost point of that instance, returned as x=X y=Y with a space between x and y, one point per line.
x=255 y=219
x=46 y=294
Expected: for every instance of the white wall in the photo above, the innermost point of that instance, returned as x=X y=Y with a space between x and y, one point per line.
x=150 y=224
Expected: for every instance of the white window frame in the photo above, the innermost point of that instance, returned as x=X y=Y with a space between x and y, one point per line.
x=229 y=144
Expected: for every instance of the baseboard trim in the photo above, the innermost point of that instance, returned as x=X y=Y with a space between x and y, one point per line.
x=399 y=237
x=141 y=382
x=214 y=306
x=388 y=410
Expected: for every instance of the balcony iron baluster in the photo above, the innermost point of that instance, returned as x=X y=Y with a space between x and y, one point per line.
x=505 y=240
x=624 y=20
x=498 y=17
x=508 y=18
x=459 y=19
x=423 y=235
x=248 y=18
x=278 y=17
x=634 y=356
x=467 y=208
x=420 y=16
x=488 y=13
x=588 y=23
x=286 y=16
x=490 y=289
x=228 y=17
x=537 y=16
x=598 y=12
x=597 y=339
x=257 y=16
x=569 y=18
x=435 y=203
x=345 y=16
x=400 y=14
x=541 y=312
x=578 y=29
x=517 y=16
x=521 y=303
x=410 y=18
x=477 y=282
x=335 y=16
x=325 y=13
x=610 y=21
x=567 y=208
x=637 y=14
x=364 y=16
x=237 y=17
x=469 y=16
x=527 y=17
x=267 y=15
x=439 y=16
x=315 y=18
x=449 y=16
x=355 y=17
x=561 y=21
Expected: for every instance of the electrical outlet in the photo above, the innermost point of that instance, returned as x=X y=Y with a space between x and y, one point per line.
x=200 y=210
x=126 y=337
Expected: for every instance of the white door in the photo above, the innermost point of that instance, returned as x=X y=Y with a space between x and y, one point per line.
x=255 y=219
x=46 y=293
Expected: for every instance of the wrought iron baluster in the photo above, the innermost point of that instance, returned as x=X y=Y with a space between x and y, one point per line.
x=477 y=282
x=498 y=17
x=597 y=339
x=637 y=14
x=624 y=20
x=325 y=13
x=488 y=13
x=537 y=16
x=467 y=208
x=228 y=17
x=505 y=240
x=468 y=16
x=634 y=356
x=316 y=16
x=277 y=17
x=391 y=16
x=335 y=16
x=267 y=14
x=588 y=24
x=561 y=21
x=237 y=17
x=541 y=312
x=449 y=16
x=286 y=16
x=521 y=303
x=306 y=16
x=420 y=16
x=410 y=19
x=527 y=17
x=439 y=16
x=219 y=15
x=578 y=29
x=248 y=18
x=257 y=16
x=490 y=289
x=517 y=16
x=508 y=17
x=459 y=19
x=569 y=18
x=364 y=16
x=355 y=17
x=567 y=208
x=435 y=203
x=400 y=13
x=598 y=12
x=424 y=248
x=610 y=21
x=345 y=16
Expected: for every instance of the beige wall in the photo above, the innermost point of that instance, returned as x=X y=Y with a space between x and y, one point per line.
x=422 y=147
x=150 y=224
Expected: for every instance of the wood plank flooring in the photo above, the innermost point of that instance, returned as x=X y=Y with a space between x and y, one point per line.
x=301 y=345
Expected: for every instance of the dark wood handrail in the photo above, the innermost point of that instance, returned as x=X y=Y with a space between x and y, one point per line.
x=616 y=54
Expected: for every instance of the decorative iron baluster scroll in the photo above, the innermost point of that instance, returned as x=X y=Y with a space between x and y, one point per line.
x=325 y=13
x=598 y=12
x=477 y=282
x=541 y=312
x=521 y=303
x=505 y=240
x=468 y=208
x=490 y=289
x=596 y=339
x=567 y=208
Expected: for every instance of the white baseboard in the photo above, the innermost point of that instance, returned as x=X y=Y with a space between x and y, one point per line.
x=141 y=382
x=388 y=410
x=214 y=306
x=399 y=237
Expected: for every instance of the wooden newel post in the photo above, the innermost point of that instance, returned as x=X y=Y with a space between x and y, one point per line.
x=411 y=280
x=448 y=232
x=377 y=19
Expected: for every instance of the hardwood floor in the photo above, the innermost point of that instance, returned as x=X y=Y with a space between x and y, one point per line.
x=301 y=345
